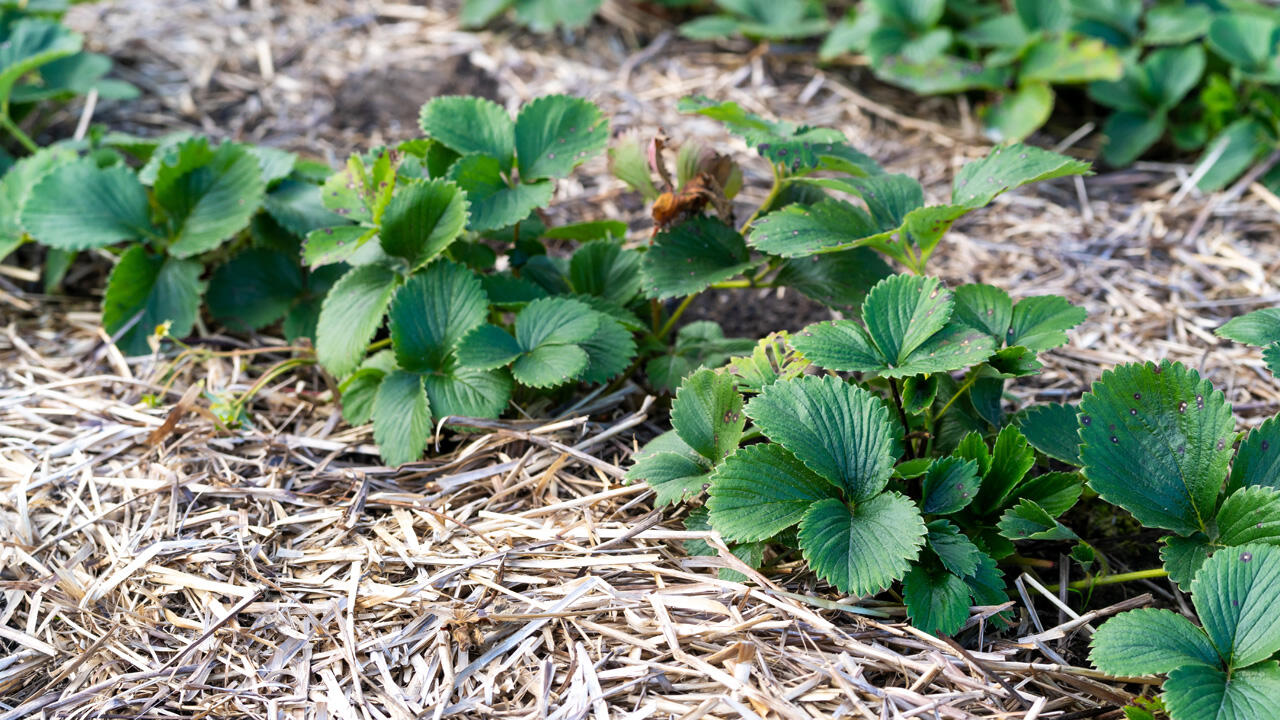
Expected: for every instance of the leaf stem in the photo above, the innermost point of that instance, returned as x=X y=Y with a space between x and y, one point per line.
x=968 y=383
x=675 y=315
x=8 y=124
x=779 y=184
x=272 y=373
x=1092 y=581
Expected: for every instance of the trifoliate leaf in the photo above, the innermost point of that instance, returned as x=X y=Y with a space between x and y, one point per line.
x=1257 y=462
x=358 y=393
x=79 y=206
x=688 y=258
x=30 y=44
x=838 y=280
x=401 y=418
x=547 y=350
x=984 y=307
x=351 y=314
x=1156 y=440
x=1261 y=327
x=145 y=291
x=903 y=311
x=1011 y=458
x=1052 y=429
x=610 y=351
x=957 y=553
x=466 y=392
x=1196 y=692
x=604 y=269
x=1149 y=641
x=673 y=476
x=431 y=312
x=1040 y=323
x=421 y=220
x=761 y=490
x=496 y=203
x=1029 y=521
x=16 y=186
x=937 y=601
x=487 y=347
x=949 y=486
x=254 y=289
x=771 y=360
x=707 y=414
x=209 y=203
x=470 y=125
x=986 y=584
x=556 y=133
x=1056 y=492
x=840 y=431
x=1235 y=594
x=863 y=550
x=1006 y=168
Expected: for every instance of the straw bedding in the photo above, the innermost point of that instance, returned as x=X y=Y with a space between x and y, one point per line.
x=155 y=564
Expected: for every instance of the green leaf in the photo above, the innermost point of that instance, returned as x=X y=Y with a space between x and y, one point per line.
x=1171 y=73
x=1055 y=492
x=1196 y=692
x=1129 y=134
x=1156 y=441
x=798 y=231
x=211 y=202
x=1011 y=458
x=466 y=392
x=496 y=204
x=609 y=351
x=957 y=553
x=254 y=289
x=770 y=361
x=1029 y=521
x=431 y=312
x=1257 y=461
x=1006 y=168
x=1183 y=557
x=330 y=245
x=1248 y=43
x=421 y=220
x=1250 y=515
x=604 y=269
x=351 y=314
x=707 y=414
x=838 y=430
x=1150 y=641
x=937 y=601
x=761 y=490
x=1040 y=323
x=1018 y=114
x=401 y=418
x=902 y=312
x=274 y=164
x=1176 y=24
x=588 y=231
x=541 y=16
x=556 y=133
x=1271 y=355
x=357 y=394
x=1052 y=429
x=949 y=486
x=30 y=44
x=984 y=307
x=16 y=187
x=862 y=550
x=478 y=13
x=1066 y=60
x=145 y=291
x=79 y=206
x=688 y=258
x=986 y=584
x=1235 y=594
x=547 y=350
x=469 y=125
x=1235 y=149
x=944 y=74
x=1261 y=327
x=673 y=476
x=487 y=347
x=838 y=280
x=299 y=207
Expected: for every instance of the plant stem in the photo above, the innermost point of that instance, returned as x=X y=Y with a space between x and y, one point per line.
x=376 y=346
x=731 y=284
x=1116 y=579
x=779 y=184
x=675 y=315
x=902 y=414
x=275 y=371
x=8 y=124
x=968 y=383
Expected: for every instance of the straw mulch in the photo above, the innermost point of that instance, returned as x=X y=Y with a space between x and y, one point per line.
x=278 y=570
x=157 y=566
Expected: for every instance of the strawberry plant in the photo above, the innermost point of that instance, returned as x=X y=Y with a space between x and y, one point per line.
x=1227 y=668
x=1160 y=442
x=1260 y=328
x=888 y=475
x=760 y=19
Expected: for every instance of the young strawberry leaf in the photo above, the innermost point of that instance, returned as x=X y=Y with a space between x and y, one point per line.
x=469 y=125
x=466 y=392
x=840 y=431
x=401 y=418
x=548 y=346
x=1257 y=462
x=254 y=289
x=864 y=549
x=79 y=206
x=1052 y=429
x=556 y=133
x=771 y=360
x=421 y=220
x=937 y=601
x=1006 y=168
x=431 y=312
x=609 y=351
x=1156 y=440
x=1150 y=640
x=688 y=258
x=1040 y=323
x=707 y=414
x=673 y=475
x=495 y=203
x=838 y=280
x=956 y=552
x=209 y=199
x=949 y=486
x=1011 y=459
x=30 y=44
x=761 y=490
x=1029 y=521
x=16 y=186
x=331 y=245
x=145 y=291
x=1261 y=327
x=604 y=269
x=352 y=312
